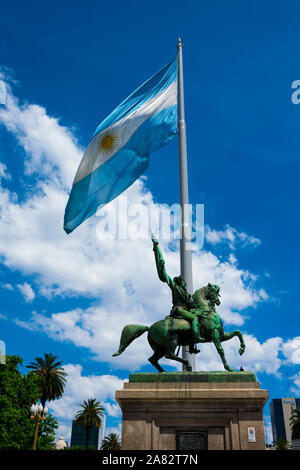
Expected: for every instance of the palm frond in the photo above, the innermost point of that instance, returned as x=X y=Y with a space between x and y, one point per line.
x=111 y=442
x=52 y=376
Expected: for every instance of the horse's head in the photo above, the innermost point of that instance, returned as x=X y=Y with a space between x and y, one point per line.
x=212 y=294
x=209 y=294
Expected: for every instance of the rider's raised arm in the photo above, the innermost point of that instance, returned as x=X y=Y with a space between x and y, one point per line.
x=160 y=263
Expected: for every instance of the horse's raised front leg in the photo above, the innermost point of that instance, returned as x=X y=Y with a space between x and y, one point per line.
x=171 y=353
x=231 y=334
x=217 y=342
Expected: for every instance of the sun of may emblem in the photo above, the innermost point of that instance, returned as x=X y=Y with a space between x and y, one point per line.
x=107 y=142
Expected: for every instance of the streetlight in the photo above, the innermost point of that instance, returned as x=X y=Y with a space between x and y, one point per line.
x=38 y=414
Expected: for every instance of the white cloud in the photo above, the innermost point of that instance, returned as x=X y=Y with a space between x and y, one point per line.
x=51 y=149
x=258 y=357
x=263 y=294
x=7 y=286
x=32 y=240
x=26 y=291
x=27 y=325
x=296 y=380
x=291 y=350
x=114 y=429
x=2 y=93
x=237 y=285
x=81 y=387
x=113 y=409
x=3 y=172
x=64 y=430
x=268 y=429
x=99 y=327
x=99 y=332
x=231 y=236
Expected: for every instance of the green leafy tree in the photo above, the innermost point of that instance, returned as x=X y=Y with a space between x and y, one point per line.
x=89 y=416
x=295 y=419
x=17 y=393
x=47 y=435
x=281 y=444
x=111 y=442
x=52 y=377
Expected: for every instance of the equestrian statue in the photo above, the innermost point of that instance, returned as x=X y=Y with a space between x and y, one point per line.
x=192 y=320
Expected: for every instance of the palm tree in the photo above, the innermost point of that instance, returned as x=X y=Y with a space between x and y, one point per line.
x=89 y=416
x=295 y=419
x=111 y=442
x=281 y=444
x=52 y=377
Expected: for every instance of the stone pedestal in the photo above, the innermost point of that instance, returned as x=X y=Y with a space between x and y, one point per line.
x=192 y=411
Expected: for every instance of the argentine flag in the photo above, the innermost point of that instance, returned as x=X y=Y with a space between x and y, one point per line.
x=120 y=147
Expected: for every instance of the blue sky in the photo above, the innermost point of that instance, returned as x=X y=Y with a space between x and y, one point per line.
x=66 y=66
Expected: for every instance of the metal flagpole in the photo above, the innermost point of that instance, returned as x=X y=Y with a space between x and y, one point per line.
x=185 y=254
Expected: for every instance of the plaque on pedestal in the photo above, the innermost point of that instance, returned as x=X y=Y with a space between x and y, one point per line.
x=191 y=440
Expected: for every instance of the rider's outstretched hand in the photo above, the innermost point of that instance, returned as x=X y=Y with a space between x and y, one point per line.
x=155 y=242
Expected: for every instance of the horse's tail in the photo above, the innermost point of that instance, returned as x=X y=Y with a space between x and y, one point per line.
x=129 y=334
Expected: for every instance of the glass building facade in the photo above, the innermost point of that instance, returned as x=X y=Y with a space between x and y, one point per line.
x=280 y=411
x=78 y=436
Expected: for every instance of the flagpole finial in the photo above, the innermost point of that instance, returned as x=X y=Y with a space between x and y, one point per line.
x=179 y=44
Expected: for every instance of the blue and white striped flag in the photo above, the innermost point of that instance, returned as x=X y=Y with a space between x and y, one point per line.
x=119 y=150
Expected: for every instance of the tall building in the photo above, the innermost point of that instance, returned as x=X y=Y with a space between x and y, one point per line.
x=281 y=411
x=102 y=431
x=96 y=436
x=78 y=436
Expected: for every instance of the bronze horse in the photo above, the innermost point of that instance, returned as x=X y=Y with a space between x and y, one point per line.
x=166 y=335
